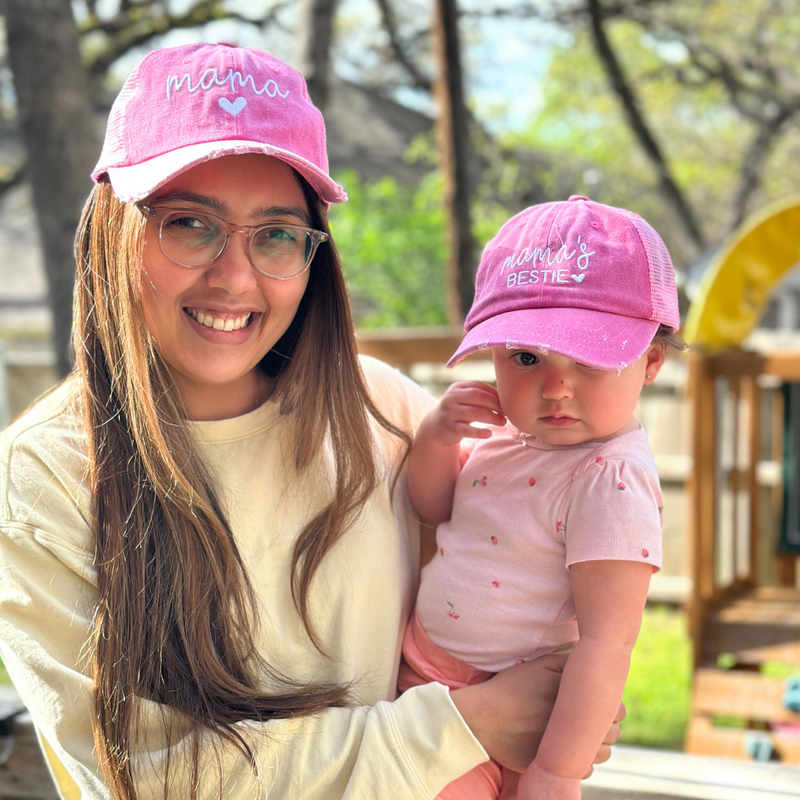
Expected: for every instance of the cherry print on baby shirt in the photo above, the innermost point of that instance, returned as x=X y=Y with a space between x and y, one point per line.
x=493 y=539
x=451 y=611
x=496 y=584
x=621 y=486
x=479 y=481
x=645 y=553
x=531 y=481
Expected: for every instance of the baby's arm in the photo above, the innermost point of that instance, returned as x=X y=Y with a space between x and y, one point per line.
x=609 y=600
x=435 y=458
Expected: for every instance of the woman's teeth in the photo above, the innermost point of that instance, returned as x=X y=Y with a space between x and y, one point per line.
x=220 y=324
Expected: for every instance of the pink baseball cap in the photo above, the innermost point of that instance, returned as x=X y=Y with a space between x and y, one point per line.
x=577 y=278
x=184 y=105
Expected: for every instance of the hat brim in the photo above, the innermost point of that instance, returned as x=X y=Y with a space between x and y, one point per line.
x=595 y=338
x=137 y=181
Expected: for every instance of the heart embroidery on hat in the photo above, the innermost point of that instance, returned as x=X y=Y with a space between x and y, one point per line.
x=578 y=278
x=232 y=108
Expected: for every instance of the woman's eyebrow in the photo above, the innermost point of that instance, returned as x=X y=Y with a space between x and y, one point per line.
x=181 y=195
x=265 y=212
x=282 y=211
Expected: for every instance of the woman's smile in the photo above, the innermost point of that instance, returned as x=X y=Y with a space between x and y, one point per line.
x=220 y=321
x=223 y=328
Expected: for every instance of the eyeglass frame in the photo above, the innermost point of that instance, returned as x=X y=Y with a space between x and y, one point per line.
x=317 y=237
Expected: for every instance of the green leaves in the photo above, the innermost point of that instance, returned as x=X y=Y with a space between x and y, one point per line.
x=391 y=239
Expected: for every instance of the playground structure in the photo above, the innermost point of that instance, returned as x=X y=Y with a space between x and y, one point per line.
x=744 y=500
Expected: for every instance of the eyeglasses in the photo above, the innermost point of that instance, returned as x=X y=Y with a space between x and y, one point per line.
x=194 y=239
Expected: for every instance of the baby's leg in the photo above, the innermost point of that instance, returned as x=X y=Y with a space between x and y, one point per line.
x=423 y=662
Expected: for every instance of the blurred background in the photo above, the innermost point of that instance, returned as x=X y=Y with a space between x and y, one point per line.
x=444 y=118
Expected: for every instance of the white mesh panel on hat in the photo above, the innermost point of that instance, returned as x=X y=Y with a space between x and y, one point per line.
x=114 y=153
x=662 y=273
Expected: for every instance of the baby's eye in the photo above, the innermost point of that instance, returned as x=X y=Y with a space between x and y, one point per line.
x=588 y=368
x=526 y=359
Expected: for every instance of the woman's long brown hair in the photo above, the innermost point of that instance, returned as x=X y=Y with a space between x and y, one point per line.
x=176 y=616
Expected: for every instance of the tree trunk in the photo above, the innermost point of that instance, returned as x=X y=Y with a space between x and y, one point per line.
x=454 y=148
x=55 y=114
x=316 y=26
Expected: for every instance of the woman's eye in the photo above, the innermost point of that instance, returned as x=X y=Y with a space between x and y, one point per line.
x=279 y=241
x=277 y=235
x=526 y=359
x=189 y=222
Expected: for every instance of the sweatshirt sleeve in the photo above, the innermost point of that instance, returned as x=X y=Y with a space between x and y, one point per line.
x=406 y=749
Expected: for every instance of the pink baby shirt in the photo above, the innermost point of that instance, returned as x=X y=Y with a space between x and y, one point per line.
x=498 y=590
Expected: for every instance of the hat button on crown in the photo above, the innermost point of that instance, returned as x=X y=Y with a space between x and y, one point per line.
x=578 y=197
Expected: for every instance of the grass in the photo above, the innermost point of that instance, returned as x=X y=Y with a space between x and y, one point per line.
x=657 y=694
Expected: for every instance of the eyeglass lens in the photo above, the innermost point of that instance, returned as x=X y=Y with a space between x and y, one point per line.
x=196 y=240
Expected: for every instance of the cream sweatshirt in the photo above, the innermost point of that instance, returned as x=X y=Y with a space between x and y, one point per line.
x=387 y=748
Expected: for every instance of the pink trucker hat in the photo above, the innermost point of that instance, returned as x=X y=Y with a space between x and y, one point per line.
x=184 y=105
x=577 y=278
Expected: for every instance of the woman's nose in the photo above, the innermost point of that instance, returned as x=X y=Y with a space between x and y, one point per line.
x=233 y=271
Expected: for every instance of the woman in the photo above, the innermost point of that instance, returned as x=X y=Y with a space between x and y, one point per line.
x=207 y=562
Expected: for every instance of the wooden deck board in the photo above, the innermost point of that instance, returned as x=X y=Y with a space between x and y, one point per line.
x=756 y=626
x=778 y=605
x=24 y=775
x=635 y=773
x=741 y=694
x=704 y=738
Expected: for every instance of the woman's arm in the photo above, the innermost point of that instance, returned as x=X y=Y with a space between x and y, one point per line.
x=435 y=459
x=408 y=749
x=609 y=600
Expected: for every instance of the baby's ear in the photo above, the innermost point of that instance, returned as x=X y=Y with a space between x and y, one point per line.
x=654 y=359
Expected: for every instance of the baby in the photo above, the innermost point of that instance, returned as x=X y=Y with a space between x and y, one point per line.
x=549 y=526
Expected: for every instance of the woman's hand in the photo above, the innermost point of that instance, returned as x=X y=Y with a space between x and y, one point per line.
x=509 y=713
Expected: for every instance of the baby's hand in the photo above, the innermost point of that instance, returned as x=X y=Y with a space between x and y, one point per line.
x=462 y=404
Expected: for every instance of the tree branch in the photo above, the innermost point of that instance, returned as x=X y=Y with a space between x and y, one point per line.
x=630 y=105
x=389 y=21
x=131 y=28
x=751 y=171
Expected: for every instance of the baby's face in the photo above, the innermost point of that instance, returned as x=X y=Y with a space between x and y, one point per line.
x=564 y=402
